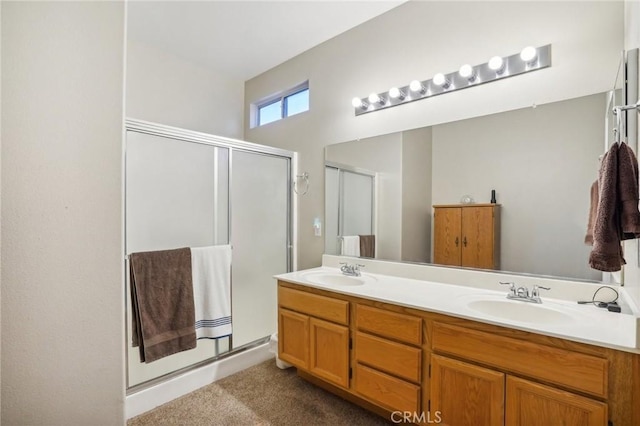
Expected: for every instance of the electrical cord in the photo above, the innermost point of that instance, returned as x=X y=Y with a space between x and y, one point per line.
x=611 y=305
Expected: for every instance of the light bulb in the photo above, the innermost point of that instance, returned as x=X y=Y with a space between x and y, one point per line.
x=396 y=93
x=466 y=71
x=356 y=102
x=374 y=98
x=529 y=54
x=439 y=79
x=416 y=86
x=496 y=63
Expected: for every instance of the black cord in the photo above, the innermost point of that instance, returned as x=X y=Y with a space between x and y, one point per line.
x=600 y=304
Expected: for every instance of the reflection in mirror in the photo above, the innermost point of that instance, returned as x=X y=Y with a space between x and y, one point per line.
x=540 y=161
x=349 y=201
x=401 y=162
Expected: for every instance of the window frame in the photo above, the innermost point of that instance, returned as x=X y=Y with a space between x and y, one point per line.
x=282 y=98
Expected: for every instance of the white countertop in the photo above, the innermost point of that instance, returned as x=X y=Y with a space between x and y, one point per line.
x=585 y=323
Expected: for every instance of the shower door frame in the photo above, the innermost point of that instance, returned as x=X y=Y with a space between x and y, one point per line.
x=190 y=136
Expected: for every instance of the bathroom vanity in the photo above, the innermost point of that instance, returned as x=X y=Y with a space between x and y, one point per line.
x=430 y=351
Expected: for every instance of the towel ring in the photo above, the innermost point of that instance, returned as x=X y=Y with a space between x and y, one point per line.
x=305 y=177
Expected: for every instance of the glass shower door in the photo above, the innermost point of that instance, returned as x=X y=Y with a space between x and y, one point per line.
x=260 y=237
x=176 y=196
x=189 y=189
x=356 y=201
x=349 y=205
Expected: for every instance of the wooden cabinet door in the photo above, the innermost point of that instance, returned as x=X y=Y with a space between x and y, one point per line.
x=330 y=352
x=533 y=404
x=477 y=237
x=447 y=240
x=293 y=338
x=466 y=395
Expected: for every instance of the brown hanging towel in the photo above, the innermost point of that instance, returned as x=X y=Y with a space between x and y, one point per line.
x=163 y=319
x=367 y=246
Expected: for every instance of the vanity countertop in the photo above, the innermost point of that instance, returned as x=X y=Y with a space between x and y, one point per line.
x=568 y=320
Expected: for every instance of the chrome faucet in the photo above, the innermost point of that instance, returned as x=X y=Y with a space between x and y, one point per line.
x=351 y=270
x=523 y=294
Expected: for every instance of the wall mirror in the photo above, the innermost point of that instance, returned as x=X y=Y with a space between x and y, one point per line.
x=541 y=162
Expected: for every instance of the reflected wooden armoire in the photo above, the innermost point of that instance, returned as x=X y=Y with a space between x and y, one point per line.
x=467 y=235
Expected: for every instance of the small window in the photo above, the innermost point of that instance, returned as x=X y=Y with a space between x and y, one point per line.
x=290 y=103
x=296 y=103
x=270 y=112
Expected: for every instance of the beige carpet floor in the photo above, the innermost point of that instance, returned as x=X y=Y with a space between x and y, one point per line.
x=260 y=395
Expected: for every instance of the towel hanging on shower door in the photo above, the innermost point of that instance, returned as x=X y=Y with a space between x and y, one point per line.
x=162 y=303
x=211 y=268
x=350 y=246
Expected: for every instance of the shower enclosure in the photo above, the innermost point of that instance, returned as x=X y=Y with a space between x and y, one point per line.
x=190 y=189
x=349 y=204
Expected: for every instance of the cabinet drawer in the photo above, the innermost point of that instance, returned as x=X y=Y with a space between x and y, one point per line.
x=573 y=370
x=394 y=358
x=315 y=305
x=392 y=393
x=405 y=328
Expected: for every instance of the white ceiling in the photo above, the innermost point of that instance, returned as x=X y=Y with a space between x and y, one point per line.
x=243 y=39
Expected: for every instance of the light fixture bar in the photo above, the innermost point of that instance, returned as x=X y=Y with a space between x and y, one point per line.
x=512 y=65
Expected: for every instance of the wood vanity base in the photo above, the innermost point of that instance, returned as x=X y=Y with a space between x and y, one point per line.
x=389 y=359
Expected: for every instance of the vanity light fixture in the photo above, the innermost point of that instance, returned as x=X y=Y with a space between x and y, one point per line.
x=467 y=71
x=442 y=81
x=497 y=68
x=395 y=93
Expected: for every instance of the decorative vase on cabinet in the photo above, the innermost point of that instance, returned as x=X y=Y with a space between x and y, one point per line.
x=467 y=235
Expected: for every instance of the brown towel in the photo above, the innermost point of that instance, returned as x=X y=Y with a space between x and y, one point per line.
x=367 y=246
x=163 y=319
x=593 y=210
x=606 y=254
x=628 y=193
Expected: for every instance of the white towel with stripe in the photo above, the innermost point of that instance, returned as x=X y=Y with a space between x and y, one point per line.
x=211 y=273
x=351 y=246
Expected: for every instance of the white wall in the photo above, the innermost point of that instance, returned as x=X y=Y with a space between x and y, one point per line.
x=382 y=154
x=62 y=295
x=416 y=40
x=416 y=195
x=526 y=156
x=165 y=89
x=631 y=24
x=631 y=248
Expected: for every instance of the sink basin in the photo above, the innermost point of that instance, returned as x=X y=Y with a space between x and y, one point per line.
x=338 y=280
x=520 y=311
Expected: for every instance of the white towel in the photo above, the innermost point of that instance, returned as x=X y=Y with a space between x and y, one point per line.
x=351 y=246
x=211 y=272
